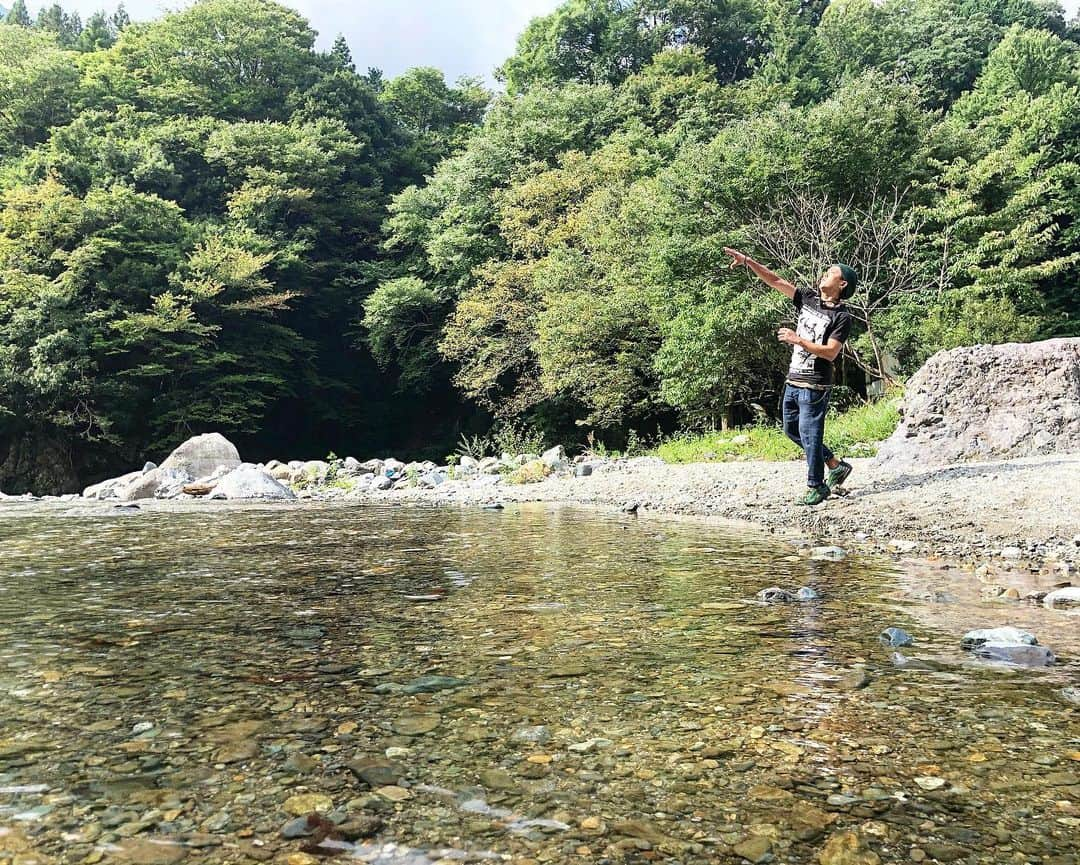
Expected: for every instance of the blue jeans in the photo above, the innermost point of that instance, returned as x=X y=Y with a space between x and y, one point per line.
x=804 y=424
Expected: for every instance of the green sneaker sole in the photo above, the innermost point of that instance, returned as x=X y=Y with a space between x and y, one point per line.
x=839 y=474
x=815 y=497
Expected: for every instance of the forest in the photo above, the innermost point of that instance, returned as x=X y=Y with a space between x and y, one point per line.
x=208 y=224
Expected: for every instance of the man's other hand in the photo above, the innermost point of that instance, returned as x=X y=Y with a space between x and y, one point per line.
x=786 y=334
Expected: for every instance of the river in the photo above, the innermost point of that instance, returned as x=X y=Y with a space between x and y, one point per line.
x=539 y=684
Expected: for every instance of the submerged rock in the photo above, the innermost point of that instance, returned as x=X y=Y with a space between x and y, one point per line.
x=895 y=637
x=828 y=554
x=776 y=595
x=806 y=593
x=1020 y=655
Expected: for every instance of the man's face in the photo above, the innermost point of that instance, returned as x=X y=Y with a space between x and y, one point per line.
x=832 y=283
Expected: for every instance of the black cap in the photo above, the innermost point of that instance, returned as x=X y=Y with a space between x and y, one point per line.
x=849 y=276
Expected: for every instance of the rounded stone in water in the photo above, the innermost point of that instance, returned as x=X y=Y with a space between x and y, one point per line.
x=895 y=637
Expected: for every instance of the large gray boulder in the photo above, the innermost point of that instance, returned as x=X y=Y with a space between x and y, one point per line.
x=988 y=402
x=250 y=482
x=108 y=489
x=203 y=455
x=159 y=483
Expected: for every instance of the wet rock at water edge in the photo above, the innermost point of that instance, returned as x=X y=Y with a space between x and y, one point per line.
x=1006 y=636
x=1010 y=653
x=776 y=595
x=828 y=554
x=895 y=638
x=1063 y=599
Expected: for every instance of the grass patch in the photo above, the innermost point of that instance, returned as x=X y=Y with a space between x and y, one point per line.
x=854 y=433
x=529 y=473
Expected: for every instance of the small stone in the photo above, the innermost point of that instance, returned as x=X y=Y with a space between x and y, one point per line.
x=363 y=826
x=807 y=593
x=775 y=595
x=150 y=851
x=754 y=849
x=931 y=782
x=416 y=725
x=497 y=779
x=306 y=803
x=1011 y=553
x=300 y=763
x=566 y=671
x=829 y=554
x=534 y=735
x=394 y=793
x=847 y=848
x=853 y=680
x=298 y=827
x=900 y=545
x=895 y=637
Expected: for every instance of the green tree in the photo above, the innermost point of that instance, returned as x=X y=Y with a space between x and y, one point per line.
x=18 y=14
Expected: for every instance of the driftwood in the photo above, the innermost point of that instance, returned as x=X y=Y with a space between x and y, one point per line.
x=198 y=489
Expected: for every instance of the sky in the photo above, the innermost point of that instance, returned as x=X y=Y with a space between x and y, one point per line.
x=460 y=37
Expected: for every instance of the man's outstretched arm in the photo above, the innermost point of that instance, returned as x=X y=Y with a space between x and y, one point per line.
x=761 y=271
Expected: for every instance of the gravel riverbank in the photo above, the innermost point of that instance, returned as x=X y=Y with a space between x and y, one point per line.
x=1015 y=514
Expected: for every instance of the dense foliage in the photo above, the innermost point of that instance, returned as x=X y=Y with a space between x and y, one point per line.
x=205 y=223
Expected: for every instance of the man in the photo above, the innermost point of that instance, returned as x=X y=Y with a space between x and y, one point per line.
x=823 y=326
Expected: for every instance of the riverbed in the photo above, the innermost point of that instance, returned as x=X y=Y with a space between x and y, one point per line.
x=538 y=683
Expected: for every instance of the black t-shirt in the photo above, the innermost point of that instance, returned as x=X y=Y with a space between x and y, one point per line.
x=817 y=323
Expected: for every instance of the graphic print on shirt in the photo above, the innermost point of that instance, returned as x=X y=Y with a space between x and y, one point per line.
x=812 y=326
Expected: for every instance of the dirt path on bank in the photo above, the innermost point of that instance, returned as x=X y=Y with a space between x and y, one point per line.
x=969 y=512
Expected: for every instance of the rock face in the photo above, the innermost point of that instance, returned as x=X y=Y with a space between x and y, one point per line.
x=987 y=402
x=202 y=455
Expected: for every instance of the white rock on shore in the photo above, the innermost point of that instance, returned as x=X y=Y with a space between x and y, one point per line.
x=251 y=482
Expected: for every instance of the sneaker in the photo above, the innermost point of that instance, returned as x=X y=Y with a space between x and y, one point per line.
x=816 y=496
x=838 y=475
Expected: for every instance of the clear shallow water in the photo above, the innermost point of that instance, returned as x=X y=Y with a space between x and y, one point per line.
x=181 y=676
